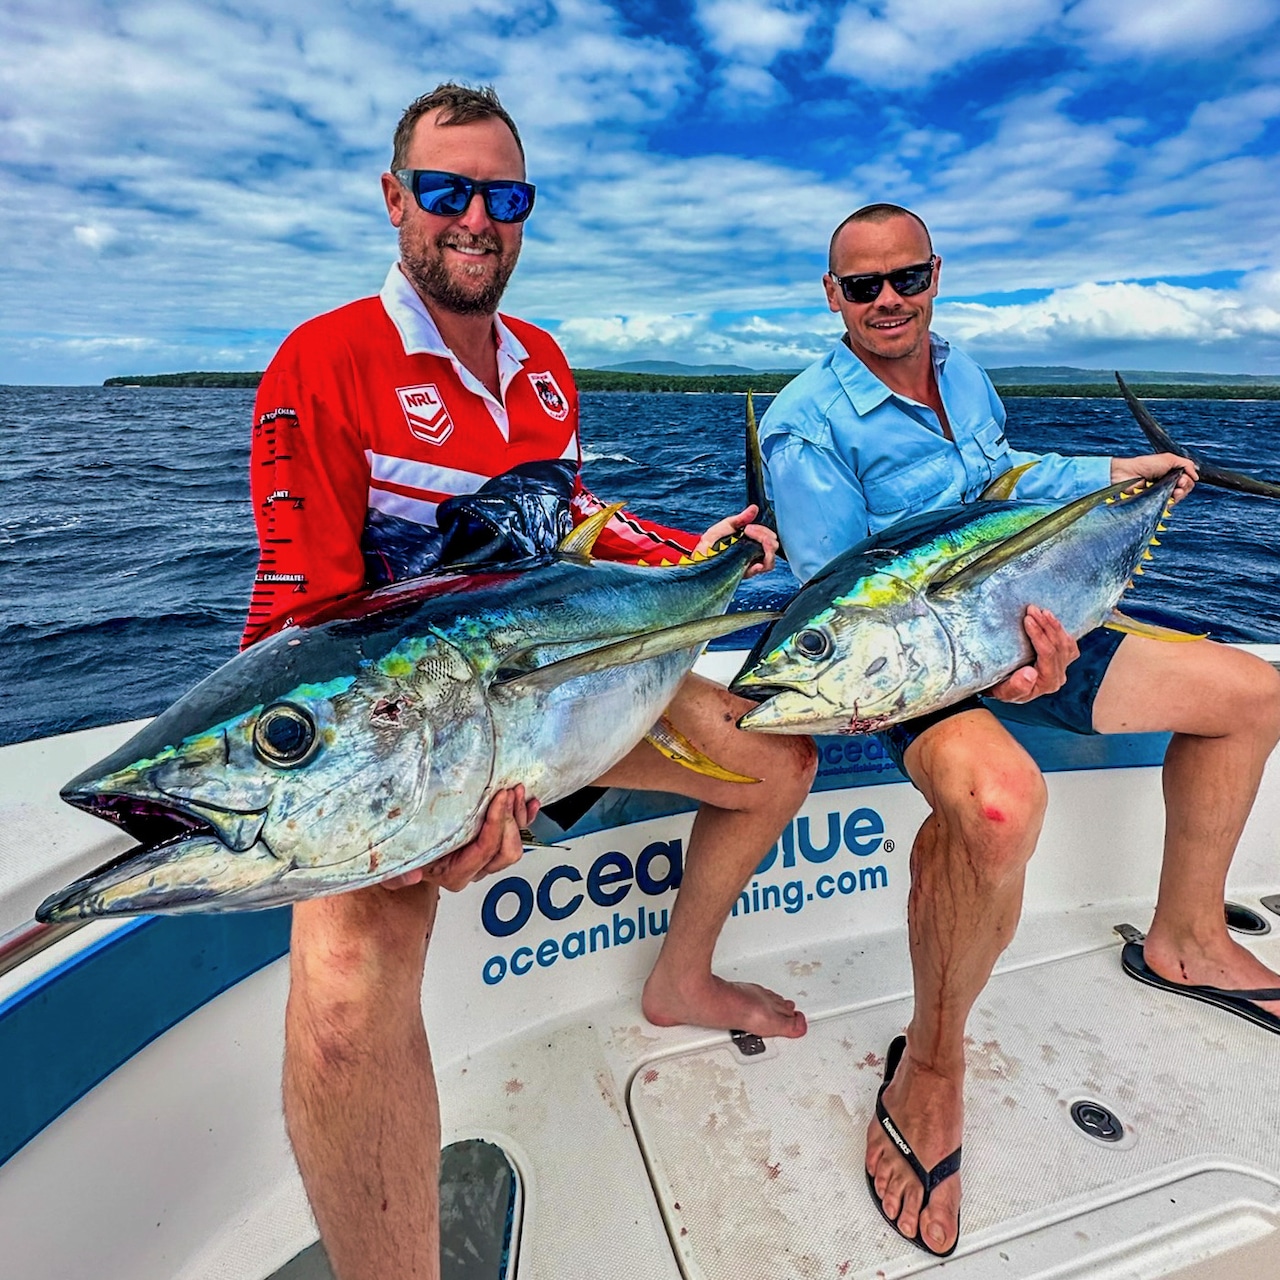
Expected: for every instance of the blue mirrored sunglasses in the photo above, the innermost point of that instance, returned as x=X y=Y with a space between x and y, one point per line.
x=448 y=194
x=906 y=281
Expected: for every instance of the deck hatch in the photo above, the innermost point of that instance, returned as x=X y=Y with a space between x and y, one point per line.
x=757 y=1165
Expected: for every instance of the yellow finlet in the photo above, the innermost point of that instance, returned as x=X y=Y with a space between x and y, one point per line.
x=667 y=739
x=579 y=540
x=1146 y=553
x=1118 y=621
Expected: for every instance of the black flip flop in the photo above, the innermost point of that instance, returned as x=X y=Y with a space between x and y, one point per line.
x=1239 y=1002
x=929 y=1178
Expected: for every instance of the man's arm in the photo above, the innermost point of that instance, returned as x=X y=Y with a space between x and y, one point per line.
x=309 y=482
x=819 y=503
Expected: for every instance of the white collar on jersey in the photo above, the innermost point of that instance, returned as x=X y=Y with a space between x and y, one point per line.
x=420 y=336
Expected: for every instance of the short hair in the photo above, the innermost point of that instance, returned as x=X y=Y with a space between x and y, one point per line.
x=457 y=104
x=874 y=213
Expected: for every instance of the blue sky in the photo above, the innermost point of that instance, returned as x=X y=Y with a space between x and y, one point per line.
x=183 y=182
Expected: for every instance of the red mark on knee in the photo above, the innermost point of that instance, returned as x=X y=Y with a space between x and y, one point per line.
x=992 y=814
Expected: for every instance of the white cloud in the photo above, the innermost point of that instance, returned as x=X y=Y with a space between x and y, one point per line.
x=752 y=31
x=1153 y=27
x=900 y=44
x=1102 y=315
x=743 y=86
x=97 y=237
x=201 y=177
x=777 y=342
x=1216 y=129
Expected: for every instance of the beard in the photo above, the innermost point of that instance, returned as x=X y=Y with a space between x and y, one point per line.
x=457 y=287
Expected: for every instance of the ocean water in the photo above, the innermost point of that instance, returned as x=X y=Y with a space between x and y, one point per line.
x=127 y=546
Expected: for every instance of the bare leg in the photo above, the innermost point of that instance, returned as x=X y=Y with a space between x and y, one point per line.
x=1224 y=709
x=735 y=826
x=967 y=870
x=359 y=1091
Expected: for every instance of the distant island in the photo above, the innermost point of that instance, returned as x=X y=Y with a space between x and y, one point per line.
x=639 y=376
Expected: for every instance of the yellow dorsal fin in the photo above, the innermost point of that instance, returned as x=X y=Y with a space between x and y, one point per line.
x=1002 y=486
x=580 y=540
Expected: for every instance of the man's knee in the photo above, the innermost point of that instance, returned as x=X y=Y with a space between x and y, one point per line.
x=1258 y=689
x=994 y=809
x=795 y=764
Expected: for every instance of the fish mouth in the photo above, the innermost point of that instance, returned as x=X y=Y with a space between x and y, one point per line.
x=746 y=687
x=150 y=823
x=189 y=856
x=165 y=819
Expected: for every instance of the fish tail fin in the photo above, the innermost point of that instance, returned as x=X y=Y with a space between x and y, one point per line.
x=756 y=495
x=1209 y=473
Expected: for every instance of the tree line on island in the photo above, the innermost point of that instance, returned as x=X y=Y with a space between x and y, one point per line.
x=1231 y=387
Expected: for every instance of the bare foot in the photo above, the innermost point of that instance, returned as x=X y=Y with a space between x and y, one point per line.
x=1223 y=963
x=928 y=1109
x=713 y=1002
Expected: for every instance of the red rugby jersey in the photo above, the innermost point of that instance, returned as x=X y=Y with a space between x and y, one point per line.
x=364 y=415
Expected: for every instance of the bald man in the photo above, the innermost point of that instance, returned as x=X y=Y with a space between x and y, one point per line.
x=891 y=424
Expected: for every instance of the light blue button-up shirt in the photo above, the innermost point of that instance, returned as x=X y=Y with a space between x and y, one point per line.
x=846 y=457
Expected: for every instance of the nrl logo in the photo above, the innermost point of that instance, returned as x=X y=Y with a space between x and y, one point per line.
x=549 y=393
x=425 y=413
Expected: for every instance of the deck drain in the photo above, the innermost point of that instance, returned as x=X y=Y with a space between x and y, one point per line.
x=1245 y=920
x=1095 y=1120
x=1272 y=903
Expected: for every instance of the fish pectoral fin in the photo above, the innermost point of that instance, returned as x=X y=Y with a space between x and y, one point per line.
x=649 y=644
x=1002 y=487
x=1118 y=621
x=580 y=540
x=952 y=579
x=665 y=738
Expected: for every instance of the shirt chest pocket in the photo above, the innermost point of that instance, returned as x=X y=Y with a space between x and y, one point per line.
x=991 y=440
x=914 y=487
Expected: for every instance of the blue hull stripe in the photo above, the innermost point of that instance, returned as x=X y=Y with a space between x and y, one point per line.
x=76 y=1024
x=861 y=761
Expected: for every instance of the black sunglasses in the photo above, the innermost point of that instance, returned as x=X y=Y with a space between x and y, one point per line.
x=448 y=194
x=906 y=281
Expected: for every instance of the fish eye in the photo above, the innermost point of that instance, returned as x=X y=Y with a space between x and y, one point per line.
x=812 y=643
x=285 y=736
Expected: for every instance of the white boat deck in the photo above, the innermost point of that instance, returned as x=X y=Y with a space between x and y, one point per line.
x=647 y=1152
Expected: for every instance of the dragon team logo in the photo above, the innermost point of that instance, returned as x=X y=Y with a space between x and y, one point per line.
x=549 y=393
x=425 y=413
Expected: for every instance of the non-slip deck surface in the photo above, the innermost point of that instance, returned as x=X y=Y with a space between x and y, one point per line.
x=758 y=1163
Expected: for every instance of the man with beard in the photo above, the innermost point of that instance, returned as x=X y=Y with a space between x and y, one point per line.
x=369 y=421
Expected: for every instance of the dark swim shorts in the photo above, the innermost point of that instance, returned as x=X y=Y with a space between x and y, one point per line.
x=1071 y=707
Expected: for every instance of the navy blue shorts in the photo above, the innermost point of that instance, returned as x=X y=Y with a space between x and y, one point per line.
x=1071 y=707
